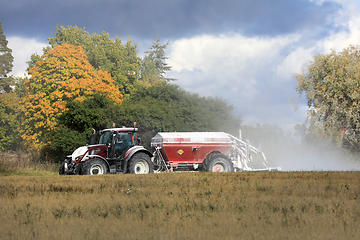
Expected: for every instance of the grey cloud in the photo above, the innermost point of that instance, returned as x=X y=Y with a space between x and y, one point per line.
x=171 y=19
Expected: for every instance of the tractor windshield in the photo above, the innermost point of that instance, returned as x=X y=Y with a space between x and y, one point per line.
x=106 y=137
x=124 y=140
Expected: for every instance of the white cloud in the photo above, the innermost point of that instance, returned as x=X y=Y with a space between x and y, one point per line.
x=239 y=69
x=225 y=65
x=255 y=74
x=224 y=52
x=349 y=19
x=22 y=48
x=295 y=61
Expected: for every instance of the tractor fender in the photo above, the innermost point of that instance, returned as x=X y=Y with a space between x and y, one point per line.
x=131 y=152
x=99 y=157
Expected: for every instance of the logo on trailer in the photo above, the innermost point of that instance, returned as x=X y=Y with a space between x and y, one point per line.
x=180 y=151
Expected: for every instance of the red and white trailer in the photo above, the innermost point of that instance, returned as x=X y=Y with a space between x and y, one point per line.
x=207 y=151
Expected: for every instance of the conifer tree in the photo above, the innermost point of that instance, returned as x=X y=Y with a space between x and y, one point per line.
x=154 y=66
x=6 y=65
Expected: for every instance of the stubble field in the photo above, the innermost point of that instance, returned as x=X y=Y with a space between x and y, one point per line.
x=247 y=205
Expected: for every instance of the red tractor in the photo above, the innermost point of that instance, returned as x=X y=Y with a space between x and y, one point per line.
x=115 y=150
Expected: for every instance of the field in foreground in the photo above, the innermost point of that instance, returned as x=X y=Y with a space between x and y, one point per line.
x=248 y=205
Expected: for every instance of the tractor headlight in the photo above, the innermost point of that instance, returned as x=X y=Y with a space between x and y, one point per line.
x=78 y=158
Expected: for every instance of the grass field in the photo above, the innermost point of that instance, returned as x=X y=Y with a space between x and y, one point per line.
x=247 y=205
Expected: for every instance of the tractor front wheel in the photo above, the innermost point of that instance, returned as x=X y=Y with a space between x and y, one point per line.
x=94 y=167
x=140 y=163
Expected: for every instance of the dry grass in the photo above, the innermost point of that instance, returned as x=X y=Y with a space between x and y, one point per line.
x=21 y=163
x=258 y=205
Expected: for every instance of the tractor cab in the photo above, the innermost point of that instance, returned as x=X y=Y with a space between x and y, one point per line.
x=118 y=141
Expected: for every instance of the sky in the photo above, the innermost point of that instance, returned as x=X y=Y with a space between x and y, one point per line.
x=245 y=52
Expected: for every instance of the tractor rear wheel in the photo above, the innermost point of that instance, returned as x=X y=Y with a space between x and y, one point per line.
x=94 y=166
x=140 y=163
x=218 y=163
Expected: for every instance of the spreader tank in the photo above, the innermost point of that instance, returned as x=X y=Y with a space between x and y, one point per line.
x=209 y=151
x=184 y=148
x=190 y=138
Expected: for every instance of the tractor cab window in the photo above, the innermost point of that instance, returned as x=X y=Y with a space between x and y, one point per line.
x=124 y=140
x=106 y=138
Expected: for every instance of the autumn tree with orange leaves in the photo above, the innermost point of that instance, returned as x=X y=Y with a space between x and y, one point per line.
x=64 y=75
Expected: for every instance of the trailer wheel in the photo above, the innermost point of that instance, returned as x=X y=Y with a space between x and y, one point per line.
x=94 y=167
x=218 y=163
x=141 y=164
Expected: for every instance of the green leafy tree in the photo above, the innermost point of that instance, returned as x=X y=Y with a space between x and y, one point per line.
x=77 y=122
x=92 y=113
x=10 y=139
x=20 y=88
x=154 y=66
x=35 y=58
x=121 y=61
x=166 y=107
x=10 y=115
x=330 y=84
x=6 y=65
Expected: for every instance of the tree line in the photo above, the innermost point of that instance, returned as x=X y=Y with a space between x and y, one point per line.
x=84 y=82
